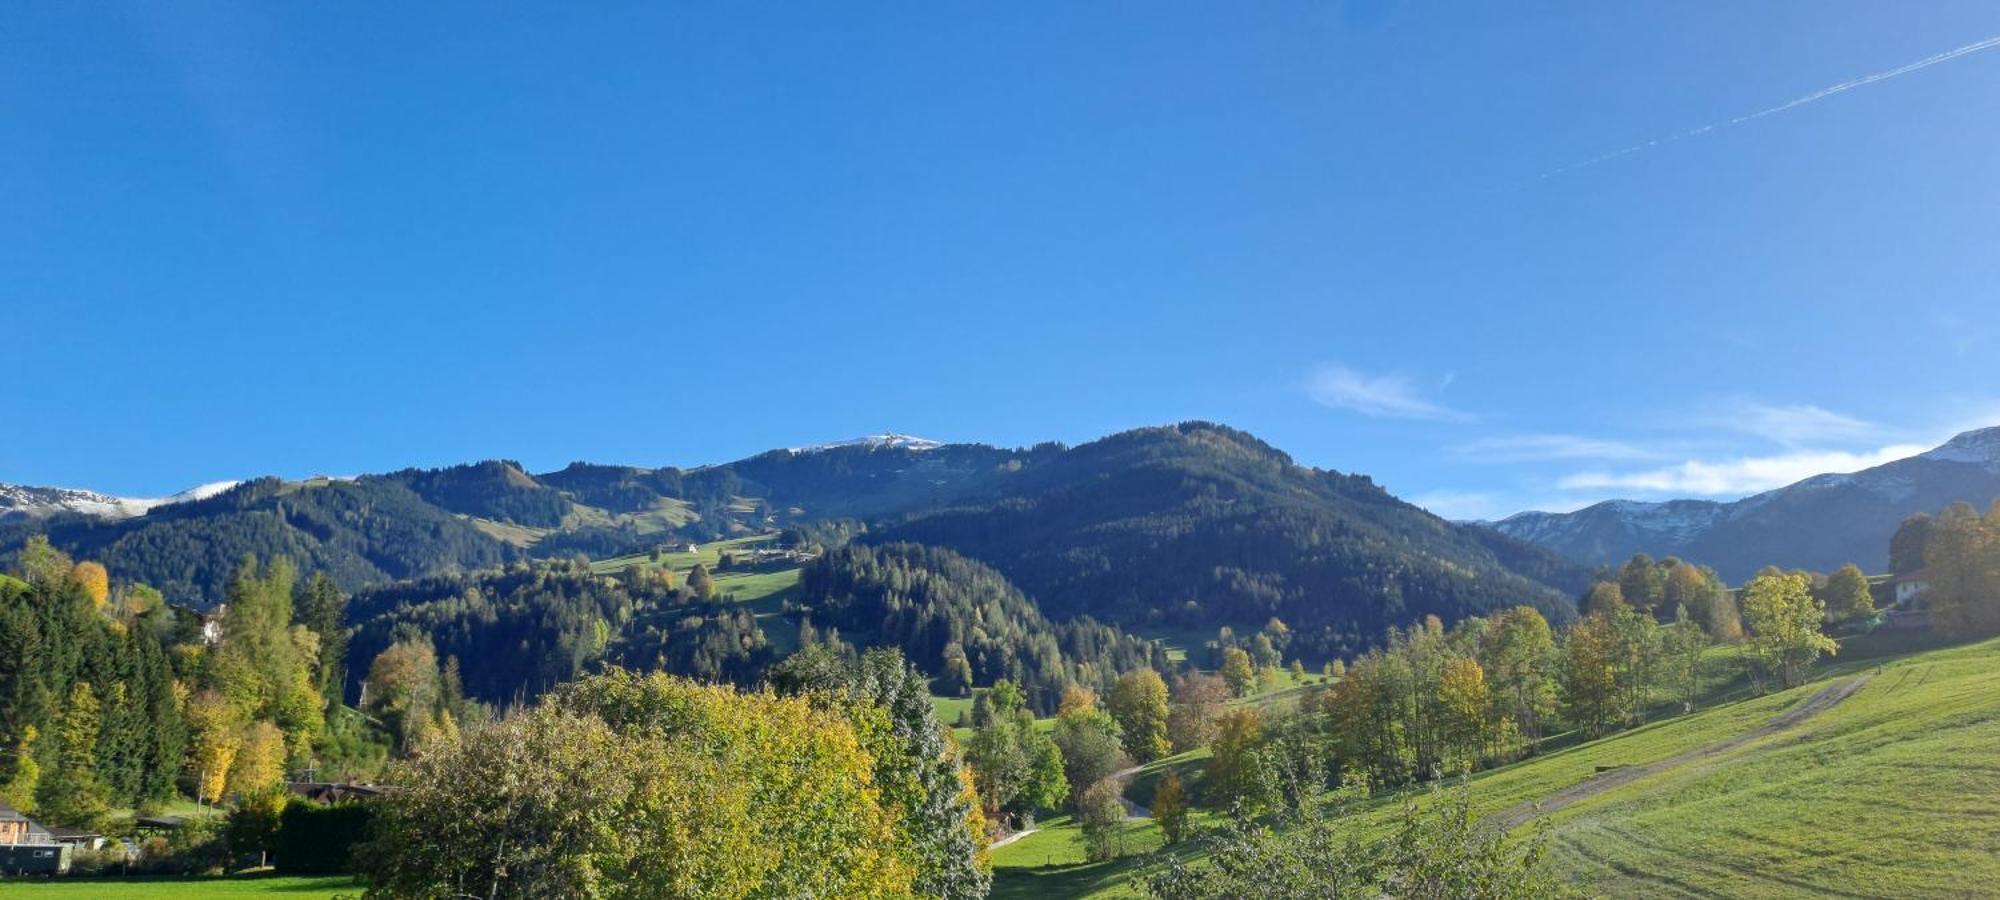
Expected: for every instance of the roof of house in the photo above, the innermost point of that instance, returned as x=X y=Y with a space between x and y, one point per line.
x=36 y=833
x=330 y=792
x=1923 y=574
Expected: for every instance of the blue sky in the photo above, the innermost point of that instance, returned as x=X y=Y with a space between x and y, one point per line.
x=279 y=238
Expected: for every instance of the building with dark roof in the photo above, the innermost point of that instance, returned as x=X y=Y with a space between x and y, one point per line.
x=26 y=848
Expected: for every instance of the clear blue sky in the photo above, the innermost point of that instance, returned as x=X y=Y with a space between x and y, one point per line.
x=294 y=238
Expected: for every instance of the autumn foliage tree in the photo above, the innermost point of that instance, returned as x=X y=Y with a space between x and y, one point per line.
x=1467 y=727
x=1234 y=775
x=1092 y=746
x=1139 y=704
x=1591 y=699
x=1101 y=814
x=1520 y=649
x=919 y=774
x=1963 y=553
x=628 y=786
x=94 y=580
x=1238 y=672
x=1785 y=619
x=1170 y=808
x=1197 y=699
x=1846 y=595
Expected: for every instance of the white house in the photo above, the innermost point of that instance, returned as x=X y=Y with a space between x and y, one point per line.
x=211 y=624
x=1910 y=587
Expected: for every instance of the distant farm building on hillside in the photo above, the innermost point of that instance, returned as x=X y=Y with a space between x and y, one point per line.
x=1912 y=586
x=211 y=624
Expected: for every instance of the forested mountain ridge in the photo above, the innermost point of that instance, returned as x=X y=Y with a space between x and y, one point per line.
x=417 y=523
x=1818 y=524
x=1183 y=526
x=361 y=531
x=1196 y=523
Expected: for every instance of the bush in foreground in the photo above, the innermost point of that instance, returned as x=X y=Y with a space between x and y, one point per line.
x=629 y=786
x=1437 y=851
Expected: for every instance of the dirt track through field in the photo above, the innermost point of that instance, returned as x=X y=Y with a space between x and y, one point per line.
x=1826 y=699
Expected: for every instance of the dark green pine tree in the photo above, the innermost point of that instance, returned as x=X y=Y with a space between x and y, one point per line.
x=23 y=688
x=915 y=768
x=320 y=606
x=121 y=744
x=166 y=736
x=926 y=774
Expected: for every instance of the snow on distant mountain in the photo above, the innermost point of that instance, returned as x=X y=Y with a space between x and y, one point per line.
x=887 y=439
x=1819 y=523
x=19 y=501
x=1979 y=448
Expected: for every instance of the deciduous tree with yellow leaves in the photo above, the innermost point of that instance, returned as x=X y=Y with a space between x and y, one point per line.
x=1784 y=619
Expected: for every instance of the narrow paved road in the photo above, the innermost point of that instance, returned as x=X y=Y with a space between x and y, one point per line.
x=1011 y=839
x=1826 y=699
x=1132 y=810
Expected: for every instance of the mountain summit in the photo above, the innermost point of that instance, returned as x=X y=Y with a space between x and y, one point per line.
x=19 y=501
x=887 y=439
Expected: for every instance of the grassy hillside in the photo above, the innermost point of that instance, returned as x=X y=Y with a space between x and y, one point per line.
x=1894 y=791
x=1881 y=779
x=763 y=590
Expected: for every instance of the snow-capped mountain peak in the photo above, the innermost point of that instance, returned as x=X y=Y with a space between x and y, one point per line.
x=1980 y=448
x=1818 y=523
x=19 y=501
x=887 y=439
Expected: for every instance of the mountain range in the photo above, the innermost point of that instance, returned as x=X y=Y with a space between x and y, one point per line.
x=1818 y=524
x=1183 y=526
x=24 y=502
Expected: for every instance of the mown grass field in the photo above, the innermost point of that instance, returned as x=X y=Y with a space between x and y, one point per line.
x=295 y=888
x=1892 y=792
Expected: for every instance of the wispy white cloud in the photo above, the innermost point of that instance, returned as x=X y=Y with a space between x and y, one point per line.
x=1739 y=475
x=1533 y=447
x=1813 y=97
x=1390 y=396
x=1790 y=425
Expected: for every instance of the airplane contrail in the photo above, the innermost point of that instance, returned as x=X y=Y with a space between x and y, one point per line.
x=1813 y=97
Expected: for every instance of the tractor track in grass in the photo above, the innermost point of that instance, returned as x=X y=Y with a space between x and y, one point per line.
x=1827 y=698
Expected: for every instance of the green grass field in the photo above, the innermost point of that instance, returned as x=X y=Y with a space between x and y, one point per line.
x=707 y=554
x=301 y=888
x=1893 y=791
x=764 y=590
